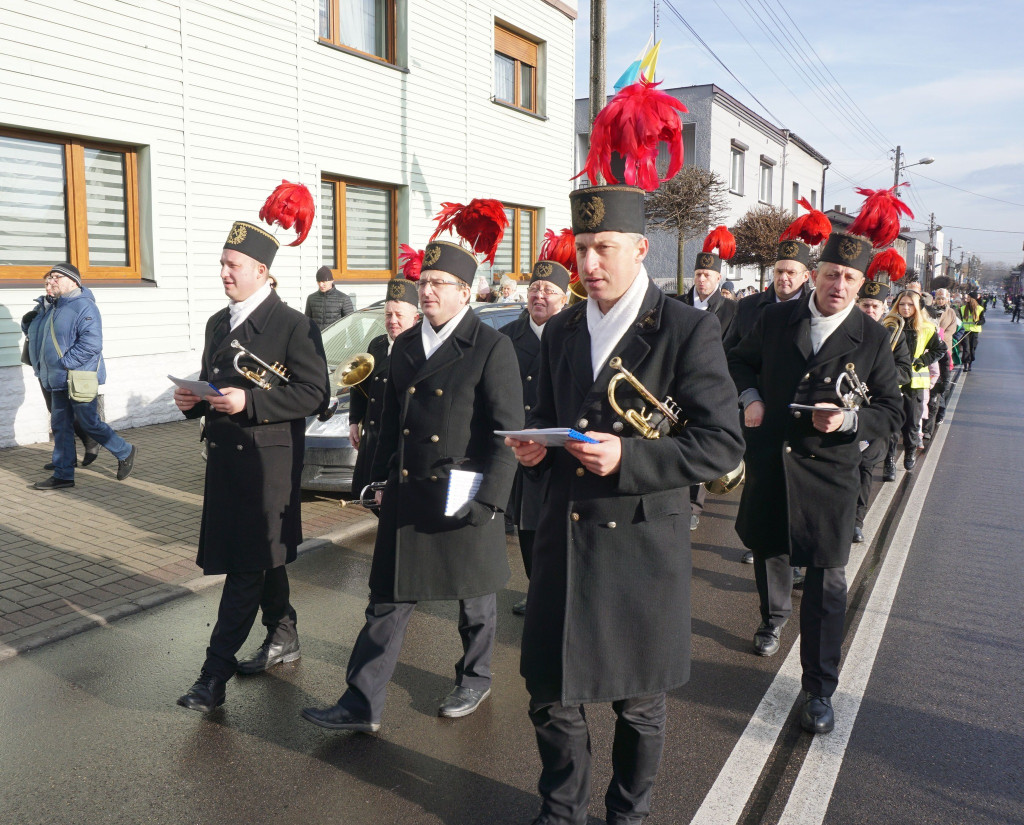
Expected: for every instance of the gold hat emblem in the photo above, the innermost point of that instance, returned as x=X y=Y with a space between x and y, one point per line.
x=237 y=234
x=871 y=289
x=432 y=255
x=588 y=212
x=788 y=249
x=849 y=249
x=705 y=260
x=396 y=290
x=543 y=270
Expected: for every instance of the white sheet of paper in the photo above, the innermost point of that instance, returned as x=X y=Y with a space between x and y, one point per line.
x=549 y=437
x=200 y=388
x=462 y=486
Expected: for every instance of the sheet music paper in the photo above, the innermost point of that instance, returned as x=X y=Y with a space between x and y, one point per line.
x=200 y=388
x=462 y=486
x=549 y=436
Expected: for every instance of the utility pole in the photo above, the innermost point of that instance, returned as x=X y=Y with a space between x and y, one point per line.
x=598 y=82
x=960 y=272
x=949 y=258
x=896 y=176
x=929 y=252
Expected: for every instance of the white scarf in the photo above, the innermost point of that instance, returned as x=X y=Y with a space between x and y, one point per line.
x=240 y=310
x=698 y=303
x=538 y=329
x=433 y=340
x=822 y=326
x=607 y=330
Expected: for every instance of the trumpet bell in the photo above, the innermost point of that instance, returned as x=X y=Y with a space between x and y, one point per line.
x=577 y=293
x=354 y=371
x=727 y=483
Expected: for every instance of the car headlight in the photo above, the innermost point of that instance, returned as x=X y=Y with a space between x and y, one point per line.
x=335 y=426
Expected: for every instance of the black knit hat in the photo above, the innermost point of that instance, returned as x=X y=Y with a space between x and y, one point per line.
x=607 y=209
x=253 y=241
x=399 y=289
x=67 y=270
x=451 y=258
x=324 y=274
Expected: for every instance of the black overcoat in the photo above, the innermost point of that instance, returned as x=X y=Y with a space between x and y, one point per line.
x=723 y=308
x=365 y=406
x=800 y=494
x=251 y=505
x=528 y=490
x=441 y=413
x=608 y=613
x=749 y=309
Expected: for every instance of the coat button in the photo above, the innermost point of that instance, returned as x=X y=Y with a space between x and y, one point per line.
x=266 y=420
x=439 y=392
x=828 y=379
x=405 y=473
x=789 y=449
x=575 y=516
x=412 y=391
x=372 y=423
x=583 y=423
x=216 y=370
x=405 y=431
x=807 y=377
x=212 y=443
x=238 y=447
x=433 y=478
x=372 y=400
x=611 y=524
x=617 y=427
x=796 y=413
x=529 y=377
x=434 y=438
x=527 y=408
x=580 y=472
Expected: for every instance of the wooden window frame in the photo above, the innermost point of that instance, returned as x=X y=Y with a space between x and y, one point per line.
x=390 y=34
x=520 y=51
x=77 y=224
x=341 y=223
x=521 y=273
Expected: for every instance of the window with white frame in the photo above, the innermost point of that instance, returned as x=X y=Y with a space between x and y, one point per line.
x=736 y=171
x=796 y=198
x=814 y=199
x=764 y=191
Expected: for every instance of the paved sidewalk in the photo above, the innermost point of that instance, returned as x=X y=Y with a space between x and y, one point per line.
x=73 y=559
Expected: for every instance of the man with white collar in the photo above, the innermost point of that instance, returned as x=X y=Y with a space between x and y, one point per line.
x=803 y=467
x=447 y=391
x=252 y=524
x=608 y=617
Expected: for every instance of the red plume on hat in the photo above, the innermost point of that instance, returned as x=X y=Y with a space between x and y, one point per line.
x=812 y=228
x=290 y=204
x=632 y=125
x=560 y=247
x=720 y=238
x=888 y=261
x=879 y=218
x=410 y=262
x=480 y=223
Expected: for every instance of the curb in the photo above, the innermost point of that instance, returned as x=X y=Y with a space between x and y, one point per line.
x=104 y=615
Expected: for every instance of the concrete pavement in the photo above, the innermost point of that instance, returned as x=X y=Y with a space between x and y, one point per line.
x=77 y=558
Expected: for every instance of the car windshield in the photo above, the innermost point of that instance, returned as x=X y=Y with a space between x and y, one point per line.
x=352 y=335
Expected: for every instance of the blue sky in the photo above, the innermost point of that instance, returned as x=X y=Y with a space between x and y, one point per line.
x=944 y=79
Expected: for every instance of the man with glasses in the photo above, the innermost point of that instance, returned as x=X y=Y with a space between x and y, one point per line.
x=545 y=298
x=70 y=337
x=447 y=392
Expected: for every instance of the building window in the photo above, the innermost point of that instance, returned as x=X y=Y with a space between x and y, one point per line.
x=515 y=70
x=796 y=198
x=517 y=251
x=814 y=199
x=357 y=222
x=63 y=199
x=365 y=26
x=765 y=190
x=736 y=171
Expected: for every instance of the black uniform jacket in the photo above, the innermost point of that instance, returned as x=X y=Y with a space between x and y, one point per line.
x=528 y=490
x=440 y=413
x=749 y=309
x=609 y=599
x=723 y=308
x=365 y=405
x=251 y=516
x=800 y=495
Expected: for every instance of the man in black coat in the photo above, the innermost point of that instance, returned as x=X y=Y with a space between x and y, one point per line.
x=609 y=612
x=447 y=391
x=328 y=303
x=803 y=468
x=545 y=298
x=252 y=524
x=366 y=399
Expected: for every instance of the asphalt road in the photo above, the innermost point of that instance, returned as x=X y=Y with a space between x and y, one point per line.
x=91 y=734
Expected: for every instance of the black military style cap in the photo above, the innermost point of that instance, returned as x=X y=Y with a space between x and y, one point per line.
x=551 y=272
x=400 y=289
x=607 y=209
x=253 y=241
x=451 y=258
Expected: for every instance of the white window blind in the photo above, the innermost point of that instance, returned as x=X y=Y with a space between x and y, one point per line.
x=33 y=212
x=105 y=200
x=328 y=252
x=368 y=228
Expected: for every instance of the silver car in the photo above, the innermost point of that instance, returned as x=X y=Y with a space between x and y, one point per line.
x=330 y=457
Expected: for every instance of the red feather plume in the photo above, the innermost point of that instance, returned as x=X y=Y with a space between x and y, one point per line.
x=290 y=204
x=879 y=218
x=632 y=125
x=721 y=238
x=410 y=262
x=812 y=228
x=888 y=261
x=560 y=247
x=480 y=223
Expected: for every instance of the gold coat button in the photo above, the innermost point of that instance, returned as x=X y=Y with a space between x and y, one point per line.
x=405 y=473
x=806 y=377
x=239 y=447
x=575 y=516
x=372 y=400
x=789 y=449
x=438 y=392
x=529 y=377
x=372 y=423
x=828 y=379
x=583 y=423
x=433 y=478
x=796 y=413
x=212 y=443
x=405 y=431
x=580 y=471
x=527 y=408
x=216 y=370
x=434 y=438
x=412 y=391
x=266 y=420
x=617 y=427
x=611 y=525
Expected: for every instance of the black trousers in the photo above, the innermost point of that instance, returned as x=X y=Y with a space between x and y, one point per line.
x=698 y=492
x=563 y=740
x=774 y=579
x=969 y=348
x=244 y=594
x=376 y=650
x=526 y=538
x=913 y=401
x=869 y=457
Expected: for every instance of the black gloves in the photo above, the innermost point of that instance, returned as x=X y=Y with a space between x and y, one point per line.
x=473 y=513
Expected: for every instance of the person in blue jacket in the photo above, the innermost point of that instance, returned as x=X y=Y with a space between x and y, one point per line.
x=69 y=336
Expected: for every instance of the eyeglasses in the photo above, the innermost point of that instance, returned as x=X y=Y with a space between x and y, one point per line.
x=434 y=283
x=547 y=292
x=53 y=276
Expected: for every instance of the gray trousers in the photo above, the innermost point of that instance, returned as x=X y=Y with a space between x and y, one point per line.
x=376 y=650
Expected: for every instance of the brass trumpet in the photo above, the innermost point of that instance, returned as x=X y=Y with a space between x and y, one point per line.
x=857 y=395
x=577 y=293
x=354 y=371
x=258 y=377
x=895 y=325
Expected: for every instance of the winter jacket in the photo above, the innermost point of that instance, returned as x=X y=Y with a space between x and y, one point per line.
x=327 y=307
x=79 y=331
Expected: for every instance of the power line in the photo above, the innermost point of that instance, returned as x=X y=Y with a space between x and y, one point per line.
x=969 y=192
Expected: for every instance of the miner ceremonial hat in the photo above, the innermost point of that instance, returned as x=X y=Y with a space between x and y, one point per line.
x=399 y=289
x=877 y=225
x=253 y=241
x=721 y=239
x=290 y=204
x=451 y=258
x=480 y=224
x=874 y=290
x=806 y=231
x=557 y=264
x=624 y=147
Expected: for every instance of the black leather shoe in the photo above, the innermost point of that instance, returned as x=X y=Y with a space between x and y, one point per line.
x=519 y=608
x=124 y=468
x=889 y=470
x=205 y=695
x=54 y=483
x=909 y=460
x=748 y=557
x=51 y=467
x=858 y=535
x=462 y=701
x=90 y=456
x=766 y=640
x=270 y=653
x=817 y=715
x=694 y=521
x=338 y=718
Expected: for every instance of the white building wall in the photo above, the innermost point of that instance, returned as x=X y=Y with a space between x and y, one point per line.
x=226 y=99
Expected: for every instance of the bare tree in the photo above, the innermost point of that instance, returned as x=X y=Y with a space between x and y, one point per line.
x=757 y=237
x=687 y=204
